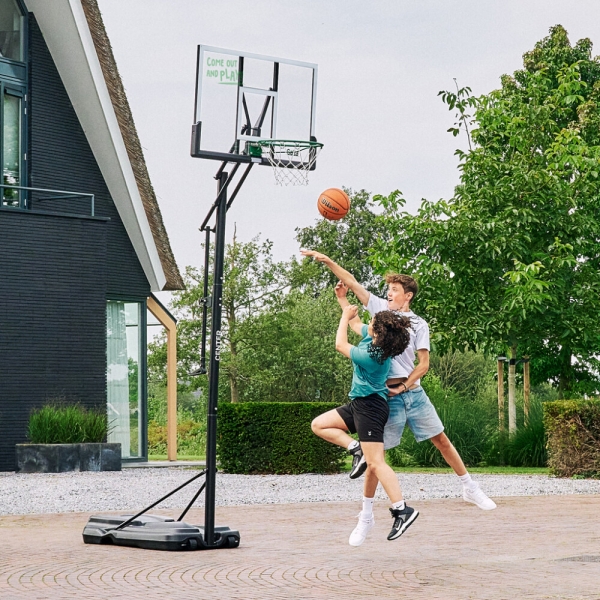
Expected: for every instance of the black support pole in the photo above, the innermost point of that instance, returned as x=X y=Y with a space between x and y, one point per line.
x=205 y=307
x=213 y=371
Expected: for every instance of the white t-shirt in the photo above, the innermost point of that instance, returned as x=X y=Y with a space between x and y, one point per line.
x=404 y=364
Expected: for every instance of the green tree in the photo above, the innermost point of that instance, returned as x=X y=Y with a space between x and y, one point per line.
x=288 y=354
x=513 y=259
x=253 y=282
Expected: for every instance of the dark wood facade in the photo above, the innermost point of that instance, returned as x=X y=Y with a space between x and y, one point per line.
x=58 y=270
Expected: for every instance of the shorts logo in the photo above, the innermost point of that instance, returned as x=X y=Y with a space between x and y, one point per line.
x=368 y=432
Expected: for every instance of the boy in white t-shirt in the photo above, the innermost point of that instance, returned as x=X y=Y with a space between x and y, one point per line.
x=408 y=401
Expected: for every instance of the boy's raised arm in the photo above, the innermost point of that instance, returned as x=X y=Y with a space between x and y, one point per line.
x=344 y=276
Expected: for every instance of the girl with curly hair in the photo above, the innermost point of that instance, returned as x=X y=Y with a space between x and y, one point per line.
x=383 y=338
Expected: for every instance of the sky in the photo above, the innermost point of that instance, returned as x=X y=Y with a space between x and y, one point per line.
x=381 y=66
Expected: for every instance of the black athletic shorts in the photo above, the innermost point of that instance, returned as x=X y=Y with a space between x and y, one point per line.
x=366 y=416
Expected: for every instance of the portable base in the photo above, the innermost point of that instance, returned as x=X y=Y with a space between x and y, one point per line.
x=155 y=532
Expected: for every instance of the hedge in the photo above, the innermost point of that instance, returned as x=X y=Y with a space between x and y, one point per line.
x=274 y=437
x=573 y=430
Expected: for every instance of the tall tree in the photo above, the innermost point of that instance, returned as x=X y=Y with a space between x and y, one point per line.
x=253 y=282
x=288 y=354
x=513 y=259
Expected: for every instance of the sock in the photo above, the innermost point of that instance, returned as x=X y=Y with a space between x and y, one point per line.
x=367 y=509
x=400 y=505
x=466 y=480
x=353 y=444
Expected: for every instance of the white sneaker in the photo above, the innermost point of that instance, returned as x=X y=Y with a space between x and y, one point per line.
x=359 y=535
x=475 y=495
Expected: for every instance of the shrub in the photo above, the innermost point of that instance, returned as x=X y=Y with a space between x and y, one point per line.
x=573 y=428
x=274 y=437
x=56 y=423
x=191 y=438
x=527 y=447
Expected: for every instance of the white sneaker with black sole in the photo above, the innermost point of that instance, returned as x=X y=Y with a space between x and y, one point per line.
x=359 y=535
x=475 y=495
x=403 y=519
x=359 y=464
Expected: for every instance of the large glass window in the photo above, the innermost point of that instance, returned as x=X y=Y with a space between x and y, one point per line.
x=11 y=30
x=11 y=147
x=13 y=95
x=126 y=376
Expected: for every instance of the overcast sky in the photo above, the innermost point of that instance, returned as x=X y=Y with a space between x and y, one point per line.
x=381 y=65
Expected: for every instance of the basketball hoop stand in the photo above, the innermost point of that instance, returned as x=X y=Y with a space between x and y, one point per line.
x=250 y=147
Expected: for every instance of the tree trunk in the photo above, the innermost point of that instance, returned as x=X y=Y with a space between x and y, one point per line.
x=501 y=423
x=526 y=388
x=233 y=382
x=566 y=374
x=231 y=372
x=512 y=408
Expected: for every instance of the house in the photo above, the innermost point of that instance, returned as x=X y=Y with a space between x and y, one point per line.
x=82 y=240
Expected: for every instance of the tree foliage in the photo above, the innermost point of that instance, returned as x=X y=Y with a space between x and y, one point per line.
x=347 y=242
x=513 y=258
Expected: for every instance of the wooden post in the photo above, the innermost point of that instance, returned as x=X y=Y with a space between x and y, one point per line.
x=501 y=422
x=526 y=388
x=169 y=323
x=512 y=407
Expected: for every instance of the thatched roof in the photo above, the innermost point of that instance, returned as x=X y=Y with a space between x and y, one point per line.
x=132 y=143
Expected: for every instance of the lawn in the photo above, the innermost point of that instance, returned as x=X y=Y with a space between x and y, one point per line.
x=426 y=470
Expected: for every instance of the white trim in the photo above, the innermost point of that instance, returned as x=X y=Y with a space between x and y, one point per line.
x=67 y=35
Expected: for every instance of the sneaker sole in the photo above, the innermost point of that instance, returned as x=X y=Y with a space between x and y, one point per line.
x=406 y=525
x=361 y=469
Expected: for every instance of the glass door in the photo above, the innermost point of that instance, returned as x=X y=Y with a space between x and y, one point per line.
x=125 y=376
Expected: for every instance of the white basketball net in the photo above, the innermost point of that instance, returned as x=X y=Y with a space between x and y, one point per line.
x=291 y=160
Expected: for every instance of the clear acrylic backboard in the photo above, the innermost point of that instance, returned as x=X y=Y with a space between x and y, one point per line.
x=242 y=98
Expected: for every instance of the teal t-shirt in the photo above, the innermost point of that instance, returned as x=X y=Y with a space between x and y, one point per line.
x=369 y=376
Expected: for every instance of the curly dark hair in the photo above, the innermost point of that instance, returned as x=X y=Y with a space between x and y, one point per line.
x=390 y=335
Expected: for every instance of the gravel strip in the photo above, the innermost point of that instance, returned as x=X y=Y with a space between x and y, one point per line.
x=133 y=489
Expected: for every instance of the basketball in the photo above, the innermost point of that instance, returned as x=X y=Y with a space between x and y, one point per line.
x=333 y=204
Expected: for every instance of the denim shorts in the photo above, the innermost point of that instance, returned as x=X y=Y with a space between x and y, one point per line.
x=412 y=408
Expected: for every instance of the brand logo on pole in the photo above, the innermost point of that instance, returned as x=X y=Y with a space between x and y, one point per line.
x=218 y=345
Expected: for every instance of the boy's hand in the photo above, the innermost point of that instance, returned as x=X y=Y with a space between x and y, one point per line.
x=341 y=290
x=318 y=256
x=350 y=311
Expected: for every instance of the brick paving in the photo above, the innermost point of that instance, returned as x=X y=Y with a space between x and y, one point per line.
x=534 y=548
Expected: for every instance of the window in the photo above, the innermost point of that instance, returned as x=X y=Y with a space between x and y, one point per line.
x=11 y=30
x=11 y=146
x=13 y=94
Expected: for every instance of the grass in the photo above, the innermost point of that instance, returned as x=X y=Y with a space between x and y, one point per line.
x=442 y=470
x=58 y=423
x=425 y=470
x=478 y=470
x=163 y=457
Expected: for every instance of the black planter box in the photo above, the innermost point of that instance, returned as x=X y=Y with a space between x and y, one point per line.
x=60 y=458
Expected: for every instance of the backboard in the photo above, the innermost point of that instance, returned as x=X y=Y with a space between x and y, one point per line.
x=242 y=98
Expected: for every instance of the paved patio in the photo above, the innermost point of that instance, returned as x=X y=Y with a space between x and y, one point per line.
x=529 y=548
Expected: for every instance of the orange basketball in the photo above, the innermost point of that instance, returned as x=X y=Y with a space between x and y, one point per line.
x=333 y=204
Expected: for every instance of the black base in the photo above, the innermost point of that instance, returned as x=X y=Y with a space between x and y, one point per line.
x=155 y=532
